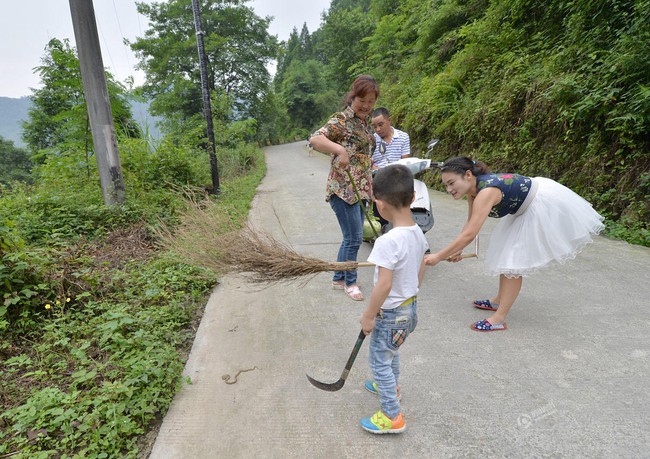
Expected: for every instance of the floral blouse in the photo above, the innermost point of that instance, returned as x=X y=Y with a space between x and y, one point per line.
x=514 y=189
x=355 y=135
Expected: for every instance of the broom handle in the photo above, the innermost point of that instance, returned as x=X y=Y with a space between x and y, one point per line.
x=365 y=211
x=367 y=264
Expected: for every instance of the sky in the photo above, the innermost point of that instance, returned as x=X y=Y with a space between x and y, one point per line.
x=26 y=26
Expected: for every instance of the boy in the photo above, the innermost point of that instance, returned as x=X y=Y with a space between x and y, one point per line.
x=391 y=313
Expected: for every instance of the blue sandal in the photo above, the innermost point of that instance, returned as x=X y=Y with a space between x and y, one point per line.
x=485 y=304
x=485 y=326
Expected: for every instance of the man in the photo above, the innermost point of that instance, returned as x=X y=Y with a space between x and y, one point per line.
x=392 y=144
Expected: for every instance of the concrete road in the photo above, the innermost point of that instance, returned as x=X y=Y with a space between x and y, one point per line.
x=570 y=378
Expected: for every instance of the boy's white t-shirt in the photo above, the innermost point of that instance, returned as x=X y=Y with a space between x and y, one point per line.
x=401 y=250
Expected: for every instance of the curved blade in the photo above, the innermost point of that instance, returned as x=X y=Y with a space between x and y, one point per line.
x=346 y=371
x=328 y=387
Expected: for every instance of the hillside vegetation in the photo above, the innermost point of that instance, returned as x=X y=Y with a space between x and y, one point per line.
x=558 y=88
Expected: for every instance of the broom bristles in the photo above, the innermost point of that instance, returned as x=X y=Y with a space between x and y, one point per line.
x=210 y=239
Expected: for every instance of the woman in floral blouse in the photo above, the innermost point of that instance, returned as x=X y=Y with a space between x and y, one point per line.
x=541 y=222
x=348 y=139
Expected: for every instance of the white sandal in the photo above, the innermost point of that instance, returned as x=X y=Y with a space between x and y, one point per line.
x=354 y=292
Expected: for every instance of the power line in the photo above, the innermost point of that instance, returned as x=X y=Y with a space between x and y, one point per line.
x=108 y=49
x=119 y=27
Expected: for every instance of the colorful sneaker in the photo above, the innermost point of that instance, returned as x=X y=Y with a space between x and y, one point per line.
x=371 y=387
x=379 y=423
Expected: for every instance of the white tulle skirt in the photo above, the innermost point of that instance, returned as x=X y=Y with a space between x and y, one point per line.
x=554 y=228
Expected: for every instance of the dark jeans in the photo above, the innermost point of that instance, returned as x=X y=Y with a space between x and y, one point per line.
x=350 y=217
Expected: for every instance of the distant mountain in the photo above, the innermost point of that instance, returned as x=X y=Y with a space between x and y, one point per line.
x=14 y=111
x=146 y=121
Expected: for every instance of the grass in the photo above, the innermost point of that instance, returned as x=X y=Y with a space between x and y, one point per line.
x=90 y=364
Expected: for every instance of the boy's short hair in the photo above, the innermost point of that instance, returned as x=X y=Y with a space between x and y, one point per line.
x=393 y=184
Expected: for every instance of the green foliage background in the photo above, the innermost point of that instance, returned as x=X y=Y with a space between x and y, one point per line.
x=558 y=88
x=15 y=161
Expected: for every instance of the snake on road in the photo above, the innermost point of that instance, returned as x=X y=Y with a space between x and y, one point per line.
x=226 y=378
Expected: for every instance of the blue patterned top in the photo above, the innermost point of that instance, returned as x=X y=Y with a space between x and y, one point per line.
x=514 y=189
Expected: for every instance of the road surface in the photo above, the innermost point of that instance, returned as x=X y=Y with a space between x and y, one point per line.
x=569 y=378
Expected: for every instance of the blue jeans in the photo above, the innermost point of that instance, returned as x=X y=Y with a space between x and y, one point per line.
x=350 y=217
x=392 y=327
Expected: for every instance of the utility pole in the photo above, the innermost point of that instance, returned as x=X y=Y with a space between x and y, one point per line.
x=207 y=110
x=99 y=106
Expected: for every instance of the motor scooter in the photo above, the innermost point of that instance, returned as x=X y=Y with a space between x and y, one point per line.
x=421 y=205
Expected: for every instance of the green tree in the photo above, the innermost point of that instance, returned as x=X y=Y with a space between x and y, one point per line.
x=58 y=117
x=273 y=113
x=340 y=40
x=238 y=48
x=302 y=83
x=305 y=93
x=14 y=163
x=291 y=50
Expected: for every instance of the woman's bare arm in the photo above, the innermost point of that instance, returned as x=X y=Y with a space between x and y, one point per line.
x=480 y=209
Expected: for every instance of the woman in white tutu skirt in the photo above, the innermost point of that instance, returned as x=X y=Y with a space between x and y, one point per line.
x=541 y=223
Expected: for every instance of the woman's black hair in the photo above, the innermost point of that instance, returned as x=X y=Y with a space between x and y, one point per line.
x=462 y=164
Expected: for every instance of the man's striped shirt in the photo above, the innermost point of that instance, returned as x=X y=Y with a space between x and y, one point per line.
x=387 y=153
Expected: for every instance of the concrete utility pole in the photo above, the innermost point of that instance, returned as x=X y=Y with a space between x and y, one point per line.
x=99 y=106
x=207 y=109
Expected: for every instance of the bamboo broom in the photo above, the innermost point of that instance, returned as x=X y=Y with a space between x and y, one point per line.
x=210 y=239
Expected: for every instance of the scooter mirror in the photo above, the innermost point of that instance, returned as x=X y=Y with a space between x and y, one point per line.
x=432 y=144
